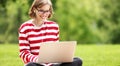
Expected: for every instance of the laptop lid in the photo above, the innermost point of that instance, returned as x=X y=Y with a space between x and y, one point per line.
x=57 y=52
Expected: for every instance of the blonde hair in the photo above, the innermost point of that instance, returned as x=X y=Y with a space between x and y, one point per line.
x=40 y=3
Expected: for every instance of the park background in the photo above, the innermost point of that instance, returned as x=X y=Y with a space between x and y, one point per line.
x=94 y=24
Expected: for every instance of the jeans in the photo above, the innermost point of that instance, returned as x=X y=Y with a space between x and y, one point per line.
x=76 y=62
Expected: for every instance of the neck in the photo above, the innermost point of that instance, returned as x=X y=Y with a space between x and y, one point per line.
x=37 y=22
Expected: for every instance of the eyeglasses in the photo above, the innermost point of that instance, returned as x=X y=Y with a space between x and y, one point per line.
x=43 y=11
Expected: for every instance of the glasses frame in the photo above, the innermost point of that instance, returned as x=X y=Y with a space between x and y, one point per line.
x=43 y=11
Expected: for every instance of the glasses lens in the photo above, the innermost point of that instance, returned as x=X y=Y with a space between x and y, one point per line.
x=43 y=11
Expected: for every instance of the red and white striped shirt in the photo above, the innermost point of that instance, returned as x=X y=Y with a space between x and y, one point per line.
x=31 y=36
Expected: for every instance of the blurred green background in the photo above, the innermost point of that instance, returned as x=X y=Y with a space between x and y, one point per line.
x=87 y=21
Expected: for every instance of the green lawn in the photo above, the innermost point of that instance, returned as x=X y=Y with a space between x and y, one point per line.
x=92 y=55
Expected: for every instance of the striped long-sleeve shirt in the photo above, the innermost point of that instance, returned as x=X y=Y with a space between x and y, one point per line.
x=30 y=38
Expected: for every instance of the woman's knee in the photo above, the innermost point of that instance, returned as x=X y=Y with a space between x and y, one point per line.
x=33 y=64
x=78 y=60
x=30 y=64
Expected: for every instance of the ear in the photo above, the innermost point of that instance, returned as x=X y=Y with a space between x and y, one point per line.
x=34 y=10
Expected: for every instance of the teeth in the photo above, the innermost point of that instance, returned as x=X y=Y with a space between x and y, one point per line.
x=43 y=17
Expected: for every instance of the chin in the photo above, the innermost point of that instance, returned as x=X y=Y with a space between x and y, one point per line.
x=43 y=19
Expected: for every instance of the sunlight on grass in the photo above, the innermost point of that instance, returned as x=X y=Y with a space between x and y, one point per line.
x=9 y=55
x=99 y=55
x=92 y=55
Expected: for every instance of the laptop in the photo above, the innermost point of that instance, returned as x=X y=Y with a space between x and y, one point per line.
x=57 y=52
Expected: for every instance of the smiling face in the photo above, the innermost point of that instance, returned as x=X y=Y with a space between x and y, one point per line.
x=43 y=12
x=41 y=9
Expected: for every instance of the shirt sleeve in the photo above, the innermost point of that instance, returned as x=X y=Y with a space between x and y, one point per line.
x=24 y=49
x=58 y=34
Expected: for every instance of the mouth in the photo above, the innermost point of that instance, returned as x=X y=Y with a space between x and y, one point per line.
x=43 y=17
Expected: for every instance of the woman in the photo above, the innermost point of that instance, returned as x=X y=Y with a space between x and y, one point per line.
x=38 y=30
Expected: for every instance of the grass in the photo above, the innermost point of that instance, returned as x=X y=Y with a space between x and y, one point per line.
x=92 y=55
x=99 y=55
x=9 y=55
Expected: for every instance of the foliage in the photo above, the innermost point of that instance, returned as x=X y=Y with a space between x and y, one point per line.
x=13 y=14
x=87 y=21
